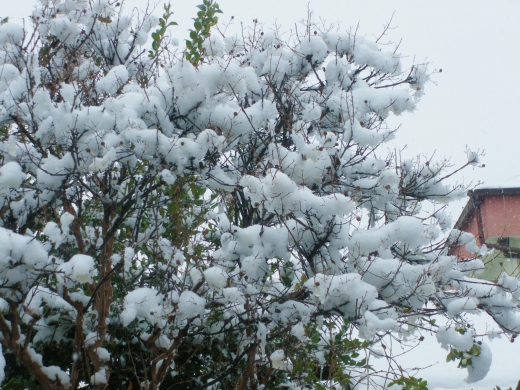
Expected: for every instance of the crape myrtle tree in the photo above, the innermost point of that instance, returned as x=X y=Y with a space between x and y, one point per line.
x=220 y=216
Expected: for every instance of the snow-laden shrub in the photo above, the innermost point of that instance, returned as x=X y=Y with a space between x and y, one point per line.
x=171 y=226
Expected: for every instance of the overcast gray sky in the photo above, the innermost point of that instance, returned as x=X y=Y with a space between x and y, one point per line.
x=475 y=43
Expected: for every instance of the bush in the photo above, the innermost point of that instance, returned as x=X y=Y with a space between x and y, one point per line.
x=219 y=217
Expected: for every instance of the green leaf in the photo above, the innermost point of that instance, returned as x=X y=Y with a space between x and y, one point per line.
x=475 y=350
x=202 y=7
x=193 y=34
x=362 y=362
x=197 y=25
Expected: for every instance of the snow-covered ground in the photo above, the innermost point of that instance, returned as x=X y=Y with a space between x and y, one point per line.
x=441 y=375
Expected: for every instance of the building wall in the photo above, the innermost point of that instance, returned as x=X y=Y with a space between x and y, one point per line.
x=501 y=216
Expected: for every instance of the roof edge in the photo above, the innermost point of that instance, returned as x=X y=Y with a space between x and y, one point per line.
x=481 y=192
x=466 y=214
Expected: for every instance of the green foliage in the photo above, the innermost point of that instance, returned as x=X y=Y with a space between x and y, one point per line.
x=158 y=35
x=4 y=131
x=202 y=30
x=410 y=383
x=465 y=357
x=342 y=353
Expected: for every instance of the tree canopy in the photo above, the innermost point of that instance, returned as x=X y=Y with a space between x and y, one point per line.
x=223 y=215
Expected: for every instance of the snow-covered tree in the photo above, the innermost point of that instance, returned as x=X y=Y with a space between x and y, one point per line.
x=223 y=216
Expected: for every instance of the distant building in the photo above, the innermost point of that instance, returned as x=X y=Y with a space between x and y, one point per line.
x=492 y=215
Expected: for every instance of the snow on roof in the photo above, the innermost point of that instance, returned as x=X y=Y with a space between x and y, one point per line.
x=494 y=186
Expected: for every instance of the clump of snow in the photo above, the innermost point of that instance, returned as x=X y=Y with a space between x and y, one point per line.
x=103 y=354
x=233 y=295
x=128 y=256
x=278 y=360
x=313 y=49
x=80 y=269
x=346 y=293
x=100 y=377
x=196 y=275
x=449 y=336
x=216 y=277
x=54 y=373
x=405 y=229
x=473 y=158
x=464 y=238
x=101 y=163
x=91 y=338
x=191 y=305
x=458 y=305
x=373 y=324
x=277 y=192
x=21 y=258
x=54 y=171
x=510 y=283
x=481 y=364
x=254 y=267
x=444 y=220
x=114 y=80
x=11 y=175
x=144 y=304
x=11 y=33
